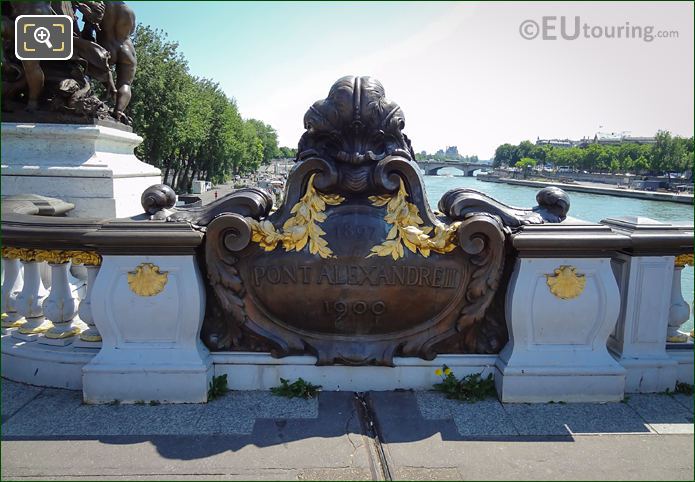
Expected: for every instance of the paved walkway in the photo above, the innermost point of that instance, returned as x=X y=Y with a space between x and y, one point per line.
x=49 y=434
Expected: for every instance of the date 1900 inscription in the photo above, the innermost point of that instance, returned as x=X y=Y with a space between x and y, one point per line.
x=358 y=275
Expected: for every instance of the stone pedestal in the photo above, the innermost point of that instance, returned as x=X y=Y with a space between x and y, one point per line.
x=639 y=339
x=91 y=166
x=651 y=301
x=560 y=313
x=149 y=311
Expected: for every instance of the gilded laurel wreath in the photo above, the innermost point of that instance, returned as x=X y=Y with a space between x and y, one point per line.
x=300 y=229
x=407 y=230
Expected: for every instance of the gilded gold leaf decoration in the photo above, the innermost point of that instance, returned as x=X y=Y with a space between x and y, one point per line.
x=302 y=228
x=407 y=230
x=684 y=260
x=147 y=280
x=11 y=253
x=52 y=256
x=87 y=258
x=90 y=258
x=565 y=283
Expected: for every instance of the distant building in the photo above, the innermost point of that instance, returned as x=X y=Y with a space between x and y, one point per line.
x=556 y=142
x=621 y=138
x=605 y=138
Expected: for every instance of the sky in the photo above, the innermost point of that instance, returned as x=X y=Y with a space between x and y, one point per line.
x=461 y=71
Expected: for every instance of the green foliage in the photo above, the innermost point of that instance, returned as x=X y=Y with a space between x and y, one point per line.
x=470 y=388
x=684 y=388
x=668 y=154
x=299 y=388
x=287 y=153
x=525 y=163
x=191 y=128
x=450 y=154
x=217 y=387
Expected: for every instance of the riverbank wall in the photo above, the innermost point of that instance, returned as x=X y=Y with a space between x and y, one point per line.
x=608 y=191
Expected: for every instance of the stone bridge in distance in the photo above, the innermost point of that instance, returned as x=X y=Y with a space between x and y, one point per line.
x=432 y=167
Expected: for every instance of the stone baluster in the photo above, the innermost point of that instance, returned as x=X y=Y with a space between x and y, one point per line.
x=60 y=307
x=680 y=310
x=11 y=287
x=90 y=338
x=30 y=299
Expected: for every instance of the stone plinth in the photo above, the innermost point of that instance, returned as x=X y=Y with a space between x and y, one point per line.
x=91 y=166
x=149 y=311
x=560 y=313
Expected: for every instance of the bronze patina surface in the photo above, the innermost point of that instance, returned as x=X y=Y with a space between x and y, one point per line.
x=354 y=267
x=58 y=91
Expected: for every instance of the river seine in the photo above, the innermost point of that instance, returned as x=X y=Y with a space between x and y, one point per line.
x=589 y=207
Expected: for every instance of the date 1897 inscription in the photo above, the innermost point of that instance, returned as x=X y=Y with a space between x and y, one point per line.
x=358 y=275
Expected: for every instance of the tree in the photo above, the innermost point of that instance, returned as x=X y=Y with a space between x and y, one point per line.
x=288 y=153
x=503 y=155
x=268 y=137
x=524 y=149
x=155 y=106
x=191 y=128
x=526 y=163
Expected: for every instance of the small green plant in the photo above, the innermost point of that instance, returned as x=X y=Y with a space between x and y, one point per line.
x=470 y=388
x=218 y=387
x=299 y=388
x=684 y=388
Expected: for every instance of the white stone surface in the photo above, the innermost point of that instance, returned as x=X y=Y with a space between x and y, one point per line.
x=151 y=347
x=639 y=338
x=685 y=357
x=260 y=371
x=92 y=166
x=12 y=283
x=557 y=349
x=43 y=365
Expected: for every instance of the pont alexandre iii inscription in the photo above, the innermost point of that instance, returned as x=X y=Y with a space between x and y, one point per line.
x=358 y=275
x=354 y=267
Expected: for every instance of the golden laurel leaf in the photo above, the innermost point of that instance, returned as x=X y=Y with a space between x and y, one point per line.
x=407 y=230
x=302 y=229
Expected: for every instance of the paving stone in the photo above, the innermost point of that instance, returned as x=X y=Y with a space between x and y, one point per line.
x=15 y=396
x=574 y=418
x=486 y=418
x=483 y=418
x=433 y=405
x=685 y=400
x=664 y=413
x=61 y=413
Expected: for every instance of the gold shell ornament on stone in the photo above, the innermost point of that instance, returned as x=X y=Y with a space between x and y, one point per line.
x=147 y=280
x=565 y=283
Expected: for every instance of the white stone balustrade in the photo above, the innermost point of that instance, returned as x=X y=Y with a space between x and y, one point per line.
x=90 y=338
x=652 y=308
x=30 y=299
x=12 y=282
x=679 y=311
x=60 y=307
